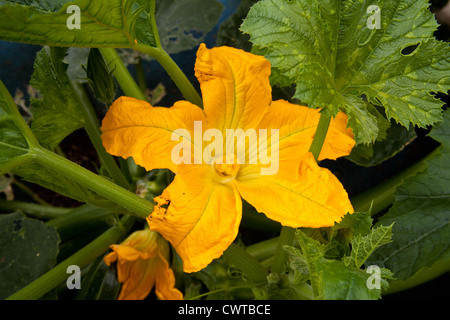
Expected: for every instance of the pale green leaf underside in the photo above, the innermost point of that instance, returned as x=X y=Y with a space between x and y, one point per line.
x=111 y=23
x=326 y=49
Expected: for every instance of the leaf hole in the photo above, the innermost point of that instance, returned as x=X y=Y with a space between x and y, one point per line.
x=409 y=50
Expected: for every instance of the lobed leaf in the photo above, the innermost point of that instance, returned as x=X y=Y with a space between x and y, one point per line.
x=327 y=50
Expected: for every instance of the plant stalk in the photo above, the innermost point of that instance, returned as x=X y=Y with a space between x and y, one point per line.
x=122 y=75
x=79 y=220
x=34 y=210
x=175 y=73
x=17 y=117
x=320 y=135
x=286 y=238
x=249 y=266
x=131 y=202
x=93 y=130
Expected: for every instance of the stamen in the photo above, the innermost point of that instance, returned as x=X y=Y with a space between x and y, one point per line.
x=226 y=172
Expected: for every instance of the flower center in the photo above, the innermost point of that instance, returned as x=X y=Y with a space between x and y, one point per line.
x=225 y=170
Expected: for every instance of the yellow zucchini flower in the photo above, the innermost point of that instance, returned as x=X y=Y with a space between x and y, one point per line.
x=142 y=263
x=210 y=150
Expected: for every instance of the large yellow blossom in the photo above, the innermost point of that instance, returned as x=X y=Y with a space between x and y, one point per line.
x=142 y=262
x=200 y=211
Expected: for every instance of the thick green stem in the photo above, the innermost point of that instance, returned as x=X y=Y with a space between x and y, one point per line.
x=264 y=249
x=127 y=82
x=17 y=117
x=129 y=201
x=251 y=268
x=122 y=75
x=93 y=130
x=320 y=135
x=34 y=210
x=286 y=238
x=79 y=220
x=81 y=258
x=140 y=75
x=132 y=89
x=175 y=73
x=15 y=162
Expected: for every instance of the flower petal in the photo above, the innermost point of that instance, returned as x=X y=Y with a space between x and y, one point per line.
x=110 y=258
x=138 y=278
x=126 y=253
x=304 y=195
x=297 y=126
x=235 y=87
x=339 y=141
x=202 y=218
x=165 y=282
x=142 y=260
x=133 y=128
